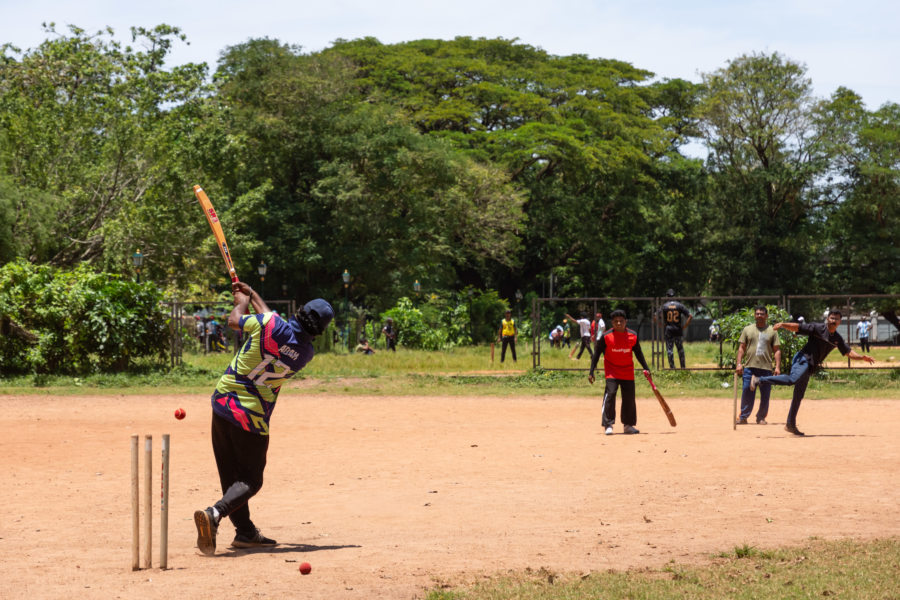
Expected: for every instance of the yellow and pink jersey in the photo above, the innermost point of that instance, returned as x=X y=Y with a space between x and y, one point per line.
x=270 y=354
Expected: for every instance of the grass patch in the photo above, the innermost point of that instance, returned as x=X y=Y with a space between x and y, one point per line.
x=459 y=371
x=143 y=379
x=819 y=569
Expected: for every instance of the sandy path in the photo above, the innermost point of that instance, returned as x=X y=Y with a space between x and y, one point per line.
x=387 y=496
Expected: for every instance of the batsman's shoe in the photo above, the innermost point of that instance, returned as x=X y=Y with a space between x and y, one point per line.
x=761 y=422
x=793 y=429
x=630 y=429
x=257 y=540
x=609 y=430
x=742 y=421
x=754 y=381
x=206 y=531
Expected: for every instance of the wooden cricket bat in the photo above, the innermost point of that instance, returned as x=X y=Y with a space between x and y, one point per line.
x=662 y=401
x=734 y=416
x=216 y=227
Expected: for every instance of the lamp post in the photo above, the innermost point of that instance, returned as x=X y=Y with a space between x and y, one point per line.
x=138 y=259
x=261 y=269
x=346 y=277
x=519 y=304
x=469 y=293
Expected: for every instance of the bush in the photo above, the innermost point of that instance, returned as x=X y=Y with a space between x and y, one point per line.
x=486 y=312
x=82 y=321
x=425 y=326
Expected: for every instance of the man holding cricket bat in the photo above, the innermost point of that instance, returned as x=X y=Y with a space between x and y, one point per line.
x=273 y=350
x=618 y=346
x=763 y=357
x=507 y=335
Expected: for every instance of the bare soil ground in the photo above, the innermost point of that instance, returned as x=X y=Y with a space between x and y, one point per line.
x=389 y=497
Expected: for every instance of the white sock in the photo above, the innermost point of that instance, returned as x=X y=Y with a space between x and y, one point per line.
x=215 y=514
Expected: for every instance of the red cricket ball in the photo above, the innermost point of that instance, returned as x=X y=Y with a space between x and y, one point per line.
x=305 y=568
x=179 y=413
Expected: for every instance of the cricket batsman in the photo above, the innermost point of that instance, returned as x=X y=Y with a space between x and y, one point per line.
x=273 y=350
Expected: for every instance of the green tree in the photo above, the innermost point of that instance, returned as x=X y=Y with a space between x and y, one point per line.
x=864 y=187
x=322 y=182
x=582 y=138
x=764 y=159
x=91 y=133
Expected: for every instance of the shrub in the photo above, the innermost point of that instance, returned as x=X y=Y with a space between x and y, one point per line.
x=83 y=321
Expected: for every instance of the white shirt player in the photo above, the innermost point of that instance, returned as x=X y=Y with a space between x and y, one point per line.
x=601 y=329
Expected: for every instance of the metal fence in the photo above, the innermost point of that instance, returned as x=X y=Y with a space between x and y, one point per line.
x=546 y=314
x=202 y=326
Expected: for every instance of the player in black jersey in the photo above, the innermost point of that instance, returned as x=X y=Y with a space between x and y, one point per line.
x=670 y=314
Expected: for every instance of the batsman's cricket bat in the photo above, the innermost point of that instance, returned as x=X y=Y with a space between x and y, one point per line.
x=216 y=227
x=662 y=401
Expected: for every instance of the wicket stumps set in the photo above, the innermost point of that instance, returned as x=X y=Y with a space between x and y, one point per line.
x=148 y=504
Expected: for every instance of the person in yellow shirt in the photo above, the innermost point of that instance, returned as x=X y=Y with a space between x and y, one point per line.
x=508 y=334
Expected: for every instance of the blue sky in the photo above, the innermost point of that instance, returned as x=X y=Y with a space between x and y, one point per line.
x=854 y=44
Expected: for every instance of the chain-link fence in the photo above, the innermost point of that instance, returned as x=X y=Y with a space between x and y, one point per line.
x=202 y=326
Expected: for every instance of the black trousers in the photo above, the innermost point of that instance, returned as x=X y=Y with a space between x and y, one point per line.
x=508 y=340
x=585 y=345
x=629 y=408
x=675 y=340
x=241 y=460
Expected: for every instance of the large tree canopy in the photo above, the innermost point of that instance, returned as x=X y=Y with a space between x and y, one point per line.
x=590 y=143
x=764 y=159
x=350 y=184
x=467 y=162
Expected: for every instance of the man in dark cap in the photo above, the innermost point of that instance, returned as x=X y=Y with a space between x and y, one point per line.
x=273 y=350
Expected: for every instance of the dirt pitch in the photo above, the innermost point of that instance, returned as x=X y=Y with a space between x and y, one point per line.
x=389 y=497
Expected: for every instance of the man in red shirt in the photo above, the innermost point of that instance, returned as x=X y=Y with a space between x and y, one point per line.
x=619 y=346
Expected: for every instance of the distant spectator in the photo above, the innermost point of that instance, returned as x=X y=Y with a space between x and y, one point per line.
x=556 y=335
x=598 y=327
x=507 y=335
x=862 y=329
x=390 y=335
x=585 y=330
x=714 y=331
x=363 y=347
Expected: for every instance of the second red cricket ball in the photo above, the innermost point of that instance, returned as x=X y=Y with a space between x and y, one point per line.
x=305 y=568
x=179 y=413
